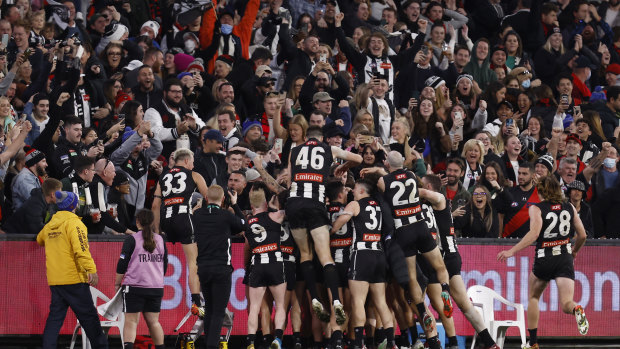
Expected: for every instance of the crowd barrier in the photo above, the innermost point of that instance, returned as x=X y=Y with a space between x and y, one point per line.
x=25 y=301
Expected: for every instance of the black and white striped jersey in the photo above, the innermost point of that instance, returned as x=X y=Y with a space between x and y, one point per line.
x=177 y=186
x=340 y=241
x=367 y=226
x=287 y=243
x=557 y=229
x=401 y=193
x=310 y=164
x=263 y=236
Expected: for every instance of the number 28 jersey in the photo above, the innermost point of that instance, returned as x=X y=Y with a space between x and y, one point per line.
x=557 y=229
x=310 y=164
x=177 y=186
x=401 y=192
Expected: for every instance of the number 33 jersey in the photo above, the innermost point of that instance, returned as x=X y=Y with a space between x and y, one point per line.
x=177 y=186
x=557 y=229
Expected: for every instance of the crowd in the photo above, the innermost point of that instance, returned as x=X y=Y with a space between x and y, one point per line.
x=104 y=98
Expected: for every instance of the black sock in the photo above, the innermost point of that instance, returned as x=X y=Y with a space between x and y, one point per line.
x=433 y=343
x=267 y=338
x=445 y=288
x=370 y=340
x=307 y=269
x=336 y=338
x=422 y=311
x=404 y=338
x=452 y=341
x=196 y=299
x=380 y=334
x=485 y=337
x=127 y=345
x=251 y=338
x=413 y=332
x=533 y=335
x=359 y=336
x=297 y=337
x=317 y=345
x=389 y=335
x=279 y=333
x=330 y=274
x=163 y=346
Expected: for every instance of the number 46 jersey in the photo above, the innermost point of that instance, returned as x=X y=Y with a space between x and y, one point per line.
x=557 y=229
x=177 y=187
x=310 y=164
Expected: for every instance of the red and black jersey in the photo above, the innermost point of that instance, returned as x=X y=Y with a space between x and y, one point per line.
x=340 y=241
x=557 y=229
x=401 y=193
x=516 y=212
x=177 y=186
x=367 y=226
x=263 y=236
x=310 y=164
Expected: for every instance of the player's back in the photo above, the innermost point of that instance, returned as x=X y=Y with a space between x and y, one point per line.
x=310 y=165
x=557 y=229
x=264 y=239
x=401 y=193
x=177 y=186
x=367 y=226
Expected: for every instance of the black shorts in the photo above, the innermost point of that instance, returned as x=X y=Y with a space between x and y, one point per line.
x=549 y=268
x=453 y=265
x=368 y=265
x=263 y=275
x=306 y=213
x=289 y=274
x=179 y=228
x=138 y=300
x=343 y=272
x=415 y=237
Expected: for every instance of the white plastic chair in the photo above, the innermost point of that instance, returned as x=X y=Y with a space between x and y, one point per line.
x=483 y=298
x=106 y=324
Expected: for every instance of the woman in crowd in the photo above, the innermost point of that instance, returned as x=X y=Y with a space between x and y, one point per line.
x=142 y=279
x=473 y=151
x=480 y=218
x=293 y=93
x=431 y=130
x=292 y=136
x=514 y=50
x=551 y=57
x=493 y=95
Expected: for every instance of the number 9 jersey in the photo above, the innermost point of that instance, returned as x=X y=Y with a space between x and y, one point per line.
x=177 y=187
x=557 y=229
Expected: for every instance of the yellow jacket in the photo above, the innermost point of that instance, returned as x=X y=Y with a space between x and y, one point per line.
x=67 y=256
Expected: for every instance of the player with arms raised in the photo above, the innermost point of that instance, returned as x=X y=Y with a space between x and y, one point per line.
x=554 y=257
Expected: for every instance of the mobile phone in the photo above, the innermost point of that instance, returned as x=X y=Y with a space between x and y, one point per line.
x=509 y=122
x=28 y=52
x=99 y=142
x=23 y=118
x=277 y=146
x=364 y=139
x=121 y=116
x=425 y=49
x=61 y=123
x=577 y=109
x=564 y=98
x=323 y=58
x=5 y=40
x=80 y=52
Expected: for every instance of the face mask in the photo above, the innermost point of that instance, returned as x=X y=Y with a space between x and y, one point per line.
x=609 y=162
x=589 y=75
x=190 y=46
x=226 y=29
x=526 y=83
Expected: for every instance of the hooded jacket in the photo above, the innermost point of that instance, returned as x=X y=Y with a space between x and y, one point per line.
x=482 y=73
x=67 y=256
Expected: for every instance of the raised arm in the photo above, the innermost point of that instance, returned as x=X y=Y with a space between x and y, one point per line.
x=352 y=209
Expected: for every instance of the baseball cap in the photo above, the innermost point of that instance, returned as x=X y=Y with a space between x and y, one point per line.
x=573 y=137
x=214 y=135
x=321 y=96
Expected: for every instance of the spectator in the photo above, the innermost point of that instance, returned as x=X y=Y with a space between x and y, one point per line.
x=69 y=147
x=36 y=112
x=576 y=192
x=119 y=189
x=30 y=177
x=473 y=151
x=479 y=218
x=36 y=210
x=607 y=177
x=514 y=213
x=452 y=188
x=146 y=92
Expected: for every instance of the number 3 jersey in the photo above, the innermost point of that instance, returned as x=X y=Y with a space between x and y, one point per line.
x=310 y=164
x=263 y=236
x=401 y=192
x=557 y=229
x=177 y=187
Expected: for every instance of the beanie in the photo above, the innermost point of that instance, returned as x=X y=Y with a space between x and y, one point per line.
x=33 y=156
x=66 y=200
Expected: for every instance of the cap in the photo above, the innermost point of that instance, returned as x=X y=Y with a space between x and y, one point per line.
x=573 y=137
x=120 y=178
x=322 y=97
x=33 y=156
x=248 y=124
x=135 y=64
x=226 y=59
x=506 y=103
x=613 y=68
x=434 y=81
x=183 y=74
x=66 y=200
x=197 y=64
x=251 y=175
x=584 y=62
x=547 y=161
x=497 y=48
x=264 y=81
x=554 y=30
x=332 y=130
x=154 y=26
x=576 y=184
x=262 y=69
x=214 y=135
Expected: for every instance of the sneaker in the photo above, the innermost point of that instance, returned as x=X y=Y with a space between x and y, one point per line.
x=318 y=309
x=447 y=304
x=528 y=346
x=298 y=345
x=427 y=323
x=418 y=345
x=341 y=316
x=582 y=322
x=276 y=344
x=198 y=311
x=383 y=345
